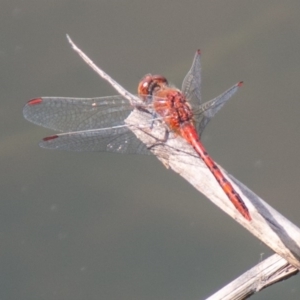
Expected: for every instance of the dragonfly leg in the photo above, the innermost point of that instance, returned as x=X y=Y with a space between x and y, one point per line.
x=154 y=116
x=160 y=141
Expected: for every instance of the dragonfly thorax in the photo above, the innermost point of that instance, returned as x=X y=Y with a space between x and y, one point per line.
x=172 y=106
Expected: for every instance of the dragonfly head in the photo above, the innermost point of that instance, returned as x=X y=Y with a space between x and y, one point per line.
x=150 y=84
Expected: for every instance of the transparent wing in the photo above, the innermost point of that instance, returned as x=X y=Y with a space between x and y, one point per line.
x=191 y=88
x=191 y=85
x=116 y=139
x=75 y=114
x=208 y=109
x=95 y=124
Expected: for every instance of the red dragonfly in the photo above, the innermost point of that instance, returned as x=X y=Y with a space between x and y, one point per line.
x=97 y=124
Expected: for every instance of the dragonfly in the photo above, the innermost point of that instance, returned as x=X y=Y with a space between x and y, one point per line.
x=98 y=124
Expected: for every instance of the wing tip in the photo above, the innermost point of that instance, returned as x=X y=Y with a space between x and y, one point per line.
x=35 y=101
x=50 y=138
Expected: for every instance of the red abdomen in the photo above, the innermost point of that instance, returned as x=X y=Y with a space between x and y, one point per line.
x=189 y=133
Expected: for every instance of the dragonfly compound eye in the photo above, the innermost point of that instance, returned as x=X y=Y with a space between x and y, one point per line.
x=150 y=83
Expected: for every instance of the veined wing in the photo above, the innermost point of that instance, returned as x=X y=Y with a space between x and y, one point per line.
x=119 y=139
x=191 y=85
x=208 y=109
x=75 y=114
x=191 y=88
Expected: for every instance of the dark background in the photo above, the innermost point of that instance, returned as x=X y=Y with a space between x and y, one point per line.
x=107 y=226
